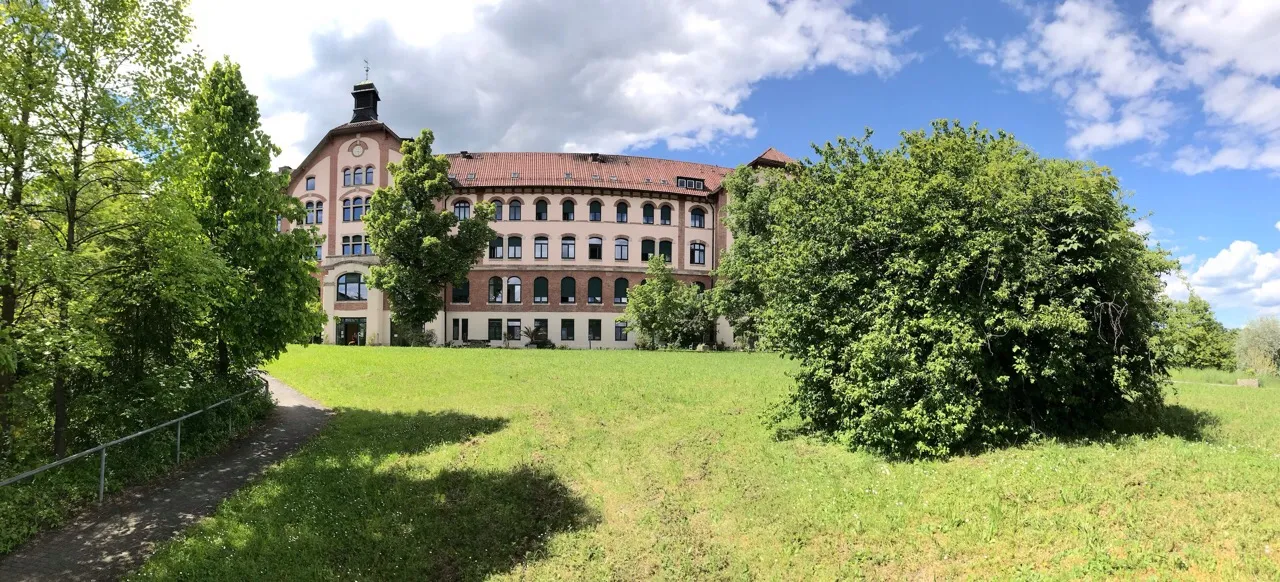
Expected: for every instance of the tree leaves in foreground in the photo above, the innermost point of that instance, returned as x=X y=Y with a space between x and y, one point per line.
x=420 y=247
x=1196 y=338
x=665 y=312
x=271 y=298
x=958 y=291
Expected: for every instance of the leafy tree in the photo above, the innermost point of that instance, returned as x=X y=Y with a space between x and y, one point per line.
x=420 y=246
x=1196 y=338
x=1258 y=345
x=738 y=293
x=271 y=298
x=665 y=312
x=958 y=291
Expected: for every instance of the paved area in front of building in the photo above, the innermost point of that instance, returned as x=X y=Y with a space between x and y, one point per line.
x=107 y=543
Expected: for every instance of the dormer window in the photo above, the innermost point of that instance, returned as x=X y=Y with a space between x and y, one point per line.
x=690 y=183
x=568 y=175
x=613 y=178
x=664 y=180
x=595 y=176
x=648 y=180
x=515 y=175
x=472 y=176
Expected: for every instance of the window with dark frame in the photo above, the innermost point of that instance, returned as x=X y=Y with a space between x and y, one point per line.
x=461 y=293
x=593 y=330
x=566 y=330
x=664 y=249
x=619 y=332
x=594 y=211
x=595 y=290
x=541 y=290
x=647 y=249
x=620 y=291
x=568 y=248
x=540 y=327
x=513 y=290
x=698 y=253
x=648 y=213
x=566 y=210
x=622 y=212
x=495 y=248
x=497 y=211
x=621 y=249
x=513 y=210
x=515 y=247
x=351 y=287
x=697 y=218
x=595 y=248
x=495 y=330
x=462 y=209
x=568 y=290
x=540 y=210
x=495 y=290
x=311 y=183
x=541 y=247
x=513 y=329
x=665 y=215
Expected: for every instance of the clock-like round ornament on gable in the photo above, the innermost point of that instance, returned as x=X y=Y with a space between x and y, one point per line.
x=357 y=150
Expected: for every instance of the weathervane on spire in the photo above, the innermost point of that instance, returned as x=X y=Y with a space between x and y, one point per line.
x=366 y=69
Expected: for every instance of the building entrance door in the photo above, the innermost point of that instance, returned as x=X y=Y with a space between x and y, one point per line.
x=350 y=331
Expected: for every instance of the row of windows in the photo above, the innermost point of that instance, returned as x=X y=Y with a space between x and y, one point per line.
x=697 y=216
x=461 y=330
x=315 y=213
x=350 y=177
x=512 y=289
x=595 y=249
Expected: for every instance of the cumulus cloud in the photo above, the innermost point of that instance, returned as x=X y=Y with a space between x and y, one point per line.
x=1241 y=275
x=1110 y=79
x=533 y=75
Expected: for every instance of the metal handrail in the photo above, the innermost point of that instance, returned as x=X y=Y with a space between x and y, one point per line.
x=102 y=449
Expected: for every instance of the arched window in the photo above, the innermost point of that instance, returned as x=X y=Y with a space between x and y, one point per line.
x=495 y=247
x=595 y=248
x=497 y=210
x=515 y=247
x=701 y=287
x=620 y=291
x=513 y=289
x=319 y=212
x=462 y=209
x=368 y=175
x=595 y=290
x=355 y=245
x=357 y=209
x=566 y=210
x=311 y=183
x=358 y=178
x=622 y=211
x=541 y=247
x=646 y=249
x=346 y=210
x=697 y=218
x=462 y=292
x=346 y=176
x=568 y=250
x=568 y=290
x=594 y=211
x=648 y=214
x=666 y=214
x=621 y=249
x=311 y=213
x=513 y=210
x=664 y=249
x=697 y=253
x=540 y=210
x=541 y=290
x=351 y=287
x=495 y=290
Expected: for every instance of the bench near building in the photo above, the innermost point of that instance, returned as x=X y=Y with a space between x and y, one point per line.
x=574 y=234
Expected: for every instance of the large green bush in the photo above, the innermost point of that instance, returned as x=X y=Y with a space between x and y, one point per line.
x=1258 y=345
x=1196 y=338
x=958 y=291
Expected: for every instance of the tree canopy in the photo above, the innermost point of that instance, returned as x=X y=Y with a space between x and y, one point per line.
x=1196 y=338
x=420 y=247
x=665 y=312
x=958 y=291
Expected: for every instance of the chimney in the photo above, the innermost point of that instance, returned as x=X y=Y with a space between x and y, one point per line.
x=595 y=157
x=466 y=154
x=366 y=102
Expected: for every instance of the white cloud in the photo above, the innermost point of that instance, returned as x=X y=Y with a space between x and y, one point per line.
x=1277 y=225
x=1231 y=50
x=1143 y=227
x=1240 y=276
x=523 y=74
x=1111 y=80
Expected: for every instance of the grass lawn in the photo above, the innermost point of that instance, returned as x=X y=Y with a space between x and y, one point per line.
x=467 y=464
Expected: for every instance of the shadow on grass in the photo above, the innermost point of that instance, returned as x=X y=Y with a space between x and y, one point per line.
x=359 y=503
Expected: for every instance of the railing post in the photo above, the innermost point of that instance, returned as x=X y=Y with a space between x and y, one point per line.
x=102 y=473
x=177 y=457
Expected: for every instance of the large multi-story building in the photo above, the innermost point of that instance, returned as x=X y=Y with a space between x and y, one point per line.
x=574 y=234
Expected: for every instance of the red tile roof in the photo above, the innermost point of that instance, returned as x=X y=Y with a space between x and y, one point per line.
x=607 y=171
x=772 y=157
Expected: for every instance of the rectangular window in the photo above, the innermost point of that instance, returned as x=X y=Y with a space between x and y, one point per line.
x=462 y=293
x=319 y=252
x=568 y=250
x=495 y=330
x=566 y=330
x=664 y=249
x=646 y=249
x=620 y=332
x=465 y=335
x=593 y=330
x=513 y=329
x=495 y=248
x=311 y=183
x=540 y=248
x=540 y=329
x=457 y=329
x=621 y=250
x=514 y=247
x=595 y=249
x=514 y=212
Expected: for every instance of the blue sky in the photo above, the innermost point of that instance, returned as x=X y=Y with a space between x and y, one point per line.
x=1178 y=97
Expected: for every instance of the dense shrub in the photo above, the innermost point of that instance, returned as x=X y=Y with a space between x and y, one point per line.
x=959 y=291
x=1258 y=346
x=666 y=313
x=1196 y=339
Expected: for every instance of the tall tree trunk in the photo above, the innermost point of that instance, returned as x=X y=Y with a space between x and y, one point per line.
x=8 y=281
x=60 y=420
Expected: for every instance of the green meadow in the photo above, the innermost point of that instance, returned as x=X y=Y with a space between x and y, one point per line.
x=622 y=465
